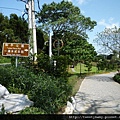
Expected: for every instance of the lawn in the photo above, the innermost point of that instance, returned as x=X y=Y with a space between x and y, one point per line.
x=84 y=68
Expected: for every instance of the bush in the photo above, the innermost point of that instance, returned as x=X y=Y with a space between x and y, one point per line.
x=50 y=93
x=17 y=80
x=32 y=110
x=47 y=92
x=47 y=65
x=117 y=77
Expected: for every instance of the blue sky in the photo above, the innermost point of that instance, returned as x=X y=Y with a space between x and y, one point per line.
x=104 y=12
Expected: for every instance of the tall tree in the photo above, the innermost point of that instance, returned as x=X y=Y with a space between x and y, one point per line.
x=68 y=24
x=64 y=17
x=6 y=33
x=20 y=28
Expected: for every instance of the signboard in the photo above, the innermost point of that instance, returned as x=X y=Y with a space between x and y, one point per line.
x=15 y=49
x=58 y=44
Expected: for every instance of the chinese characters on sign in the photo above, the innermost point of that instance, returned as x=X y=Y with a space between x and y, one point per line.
x=15 y=49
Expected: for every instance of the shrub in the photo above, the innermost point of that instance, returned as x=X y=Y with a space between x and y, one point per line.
x=32 y=110
x=50 y=93
x=17 y=80
x=47 y=65
x=47 y=92
x=117 y=77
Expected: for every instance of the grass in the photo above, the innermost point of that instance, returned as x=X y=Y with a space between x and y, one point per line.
x=84 y=68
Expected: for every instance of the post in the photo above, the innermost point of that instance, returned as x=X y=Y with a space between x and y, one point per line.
x=16 y=62
x=50 y=44
x=58 y=47
x=32 y=28
x=30 y=25
x=34 y=31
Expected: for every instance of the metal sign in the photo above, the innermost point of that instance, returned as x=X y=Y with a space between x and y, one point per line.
x=58 y=44
x=15 y=49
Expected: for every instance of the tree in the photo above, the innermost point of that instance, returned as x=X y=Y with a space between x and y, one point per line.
x=64 y=17
x=40 y=40
x=20 y=28
x=77 y=48
x=109 y=40
x=6 y=33
x=68 y=24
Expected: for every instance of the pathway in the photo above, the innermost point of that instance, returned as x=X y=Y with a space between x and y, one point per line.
x=98 y=94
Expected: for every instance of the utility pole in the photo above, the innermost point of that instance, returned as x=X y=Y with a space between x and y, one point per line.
x=32 y=29
x=50 y=44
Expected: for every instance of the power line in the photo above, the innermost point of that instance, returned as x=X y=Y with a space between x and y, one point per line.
x=11 y=8
x=38 y=5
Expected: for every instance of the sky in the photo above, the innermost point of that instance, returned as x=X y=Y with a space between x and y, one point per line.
x=104 y=12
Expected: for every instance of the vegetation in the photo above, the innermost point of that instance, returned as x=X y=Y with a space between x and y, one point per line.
x=117 y=77
x=48 y=83
x=69 y=25
x=48 y=93
x=5 y=59
x=108 y=40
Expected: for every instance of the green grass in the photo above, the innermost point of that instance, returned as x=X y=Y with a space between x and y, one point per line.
x=84 y=69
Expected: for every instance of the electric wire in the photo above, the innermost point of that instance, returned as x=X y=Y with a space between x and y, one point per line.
x=11 y=8
x=38 y=5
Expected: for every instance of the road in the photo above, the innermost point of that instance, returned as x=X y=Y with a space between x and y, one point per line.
x=98 y=94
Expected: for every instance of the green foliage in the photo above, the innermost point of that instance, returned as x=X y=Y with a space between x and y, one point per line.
x=47 y=65
x=69 y=25
x=4 y=59
x=47 y=92
x=64 y=16
x=20 y=28
x=50 y=94
x=32 y=110
x=117 y=77
x=2 y=110
x=43 y=62
x=60 y=70
x=104 y=64
x=18 y=80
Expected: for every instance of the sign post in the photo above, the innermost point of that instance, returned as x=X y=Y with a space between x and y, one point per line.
x=15 y=49
x=16 y=62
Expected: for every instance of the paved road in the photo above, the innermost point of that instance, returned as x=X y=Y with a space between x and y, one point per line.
x=98 y=94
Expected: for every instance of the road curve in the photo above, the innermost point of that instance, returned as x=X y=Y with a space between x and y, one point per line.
x=98 y=94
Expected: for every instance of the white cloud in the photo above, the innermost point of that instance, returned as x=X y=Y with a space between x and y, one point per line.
x=69 y=0
x=82 y=11
x=81 y=1
x=109 y=24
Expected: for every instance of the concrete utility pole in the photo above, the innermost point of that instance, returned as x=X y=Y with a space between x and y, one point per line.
x=32 y=28
x=50 y=44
